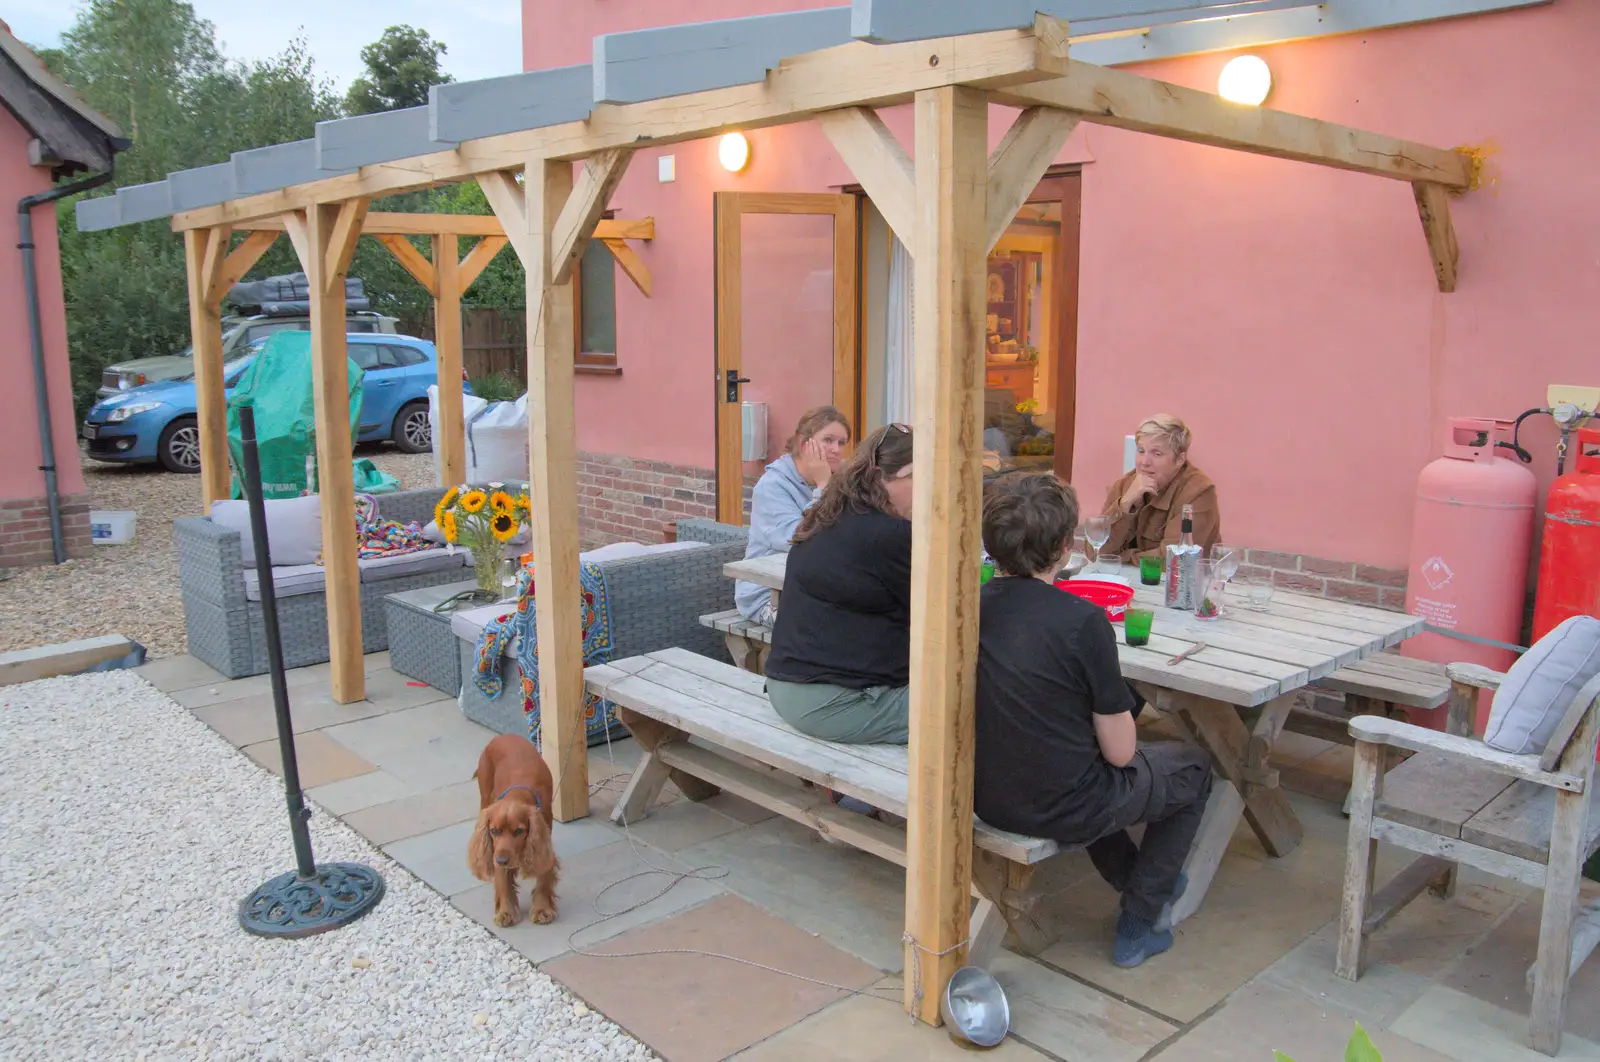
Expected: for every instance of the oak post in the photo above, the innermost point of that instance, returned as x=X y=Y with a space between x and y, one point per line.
x=450 y=442
x=951 y=205
x=205 y=337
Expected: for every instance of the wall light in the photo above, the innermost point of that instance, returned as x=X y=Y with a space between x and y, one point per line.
x=1246 y=79
x=734 y=152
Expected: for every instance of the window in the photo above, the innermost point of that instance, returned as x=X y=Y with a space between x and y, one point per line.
x=595 y=291
x=262 y=331
x=370 y=356
x=361 y=324
x=406 y=355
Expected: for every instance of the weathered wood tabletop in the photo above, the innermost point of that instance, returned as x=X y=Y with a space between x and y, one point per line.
x=1231 y=697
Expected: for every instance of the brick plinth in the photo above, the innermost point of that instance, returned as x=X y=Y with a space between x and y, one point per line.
x=25 y=530
x=628 y=499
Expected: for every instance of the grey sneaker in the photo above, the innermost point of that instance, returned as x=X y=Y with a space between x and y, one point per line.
x=1137 y=940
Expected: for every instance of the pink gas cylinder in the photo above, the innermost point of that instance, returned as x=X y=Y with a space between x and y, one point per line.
x=1471 y=538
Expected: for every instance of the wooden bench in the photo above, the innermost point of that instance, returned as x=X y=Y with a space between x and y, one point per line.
x=743 y=747
x=749 y=642
x=1385 y=684
x=1528 y=817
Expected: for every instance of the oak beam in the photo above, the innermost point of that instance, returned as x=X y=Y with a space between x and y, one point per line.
x=388 y=223
x=477 y=260
x=631 y=264
x=948 y=252
x=850 y=75
x=205 y=337
x=507 y=201
x=450 y=442
x=240 y=261
x=575 y=226
x=294 y=227
x=331 y=231
x=1433 y=206
x=1127 y=100
x=413 y=261
x=553 y=483
x=1030 y=146
x=877 y=160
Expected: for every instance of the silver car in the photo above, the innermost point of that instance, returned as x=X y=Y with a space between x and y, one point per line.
x=237 y=334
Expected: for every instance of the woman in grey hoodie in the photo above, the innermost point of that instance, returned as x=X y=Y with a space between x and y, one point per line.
x=783 y=494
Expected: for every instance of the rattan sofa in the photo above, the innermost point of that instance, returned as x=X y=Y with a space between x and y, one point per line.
x=222 y=607
x=655 y=601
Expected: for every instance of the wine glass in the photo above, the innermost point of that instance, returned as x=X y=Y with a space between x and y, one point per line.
x=1097 y=532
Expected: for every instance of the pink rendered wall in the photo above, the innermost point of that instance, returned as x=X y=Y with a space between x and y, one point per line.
x=19 y=475
x=1287 y=311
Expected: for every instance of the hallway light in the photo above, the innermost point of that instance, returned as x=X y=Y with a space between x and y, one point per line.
x=1245 y=79
x=734 y=152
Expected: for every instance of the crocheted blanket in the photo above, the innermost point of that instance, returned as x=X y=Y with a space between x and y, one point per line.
x=377 y=537
x=599 y=716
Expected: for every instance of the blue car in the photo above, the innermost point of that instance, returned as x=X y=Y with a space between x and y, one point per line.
x=157 y=422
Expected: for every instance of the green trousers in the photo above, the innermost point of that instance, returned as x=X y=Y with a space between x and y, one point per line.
x=877 y=715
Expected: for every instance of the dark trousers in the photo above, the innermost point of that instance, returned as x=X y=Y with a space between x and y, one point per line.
x=1172 y=781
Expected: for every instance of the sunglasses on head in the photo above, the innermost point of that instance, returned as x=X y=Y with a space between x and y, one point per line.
x=902 y=429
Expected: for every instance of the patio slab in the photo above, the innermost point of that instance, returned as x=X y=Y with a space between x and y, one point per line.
x=1071 y=1020
x=170 y=674
x=246 y=720
x=1261 y=1019
x=853 y=900
x=695 y=1008
x=1459 y=1026
x=682 y=824
x=414 y=813
x=868 y=1029
x=438 y=857
x=583 y=877
x=358 y=793
x=429 y=746
x=225 y=689
x=321 y=759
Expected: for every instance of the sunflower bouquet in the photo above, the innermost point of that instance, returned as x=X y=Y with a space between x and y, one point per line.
x=482 y=520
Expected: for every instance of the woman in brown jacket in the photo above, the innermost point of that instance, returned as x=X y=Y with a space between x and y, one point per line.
x=1146 y=505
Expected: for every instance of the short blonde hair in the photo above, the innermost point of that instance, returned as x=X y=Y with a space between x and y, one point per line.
x=1167 y=428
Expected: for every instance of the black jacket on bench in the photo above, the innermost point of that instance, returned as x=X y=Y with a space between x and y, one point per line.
x=844 y=617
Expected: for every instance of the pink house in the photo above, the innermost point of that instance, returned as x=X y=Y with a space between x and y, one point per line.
x=46 y=133
x=1289 y=313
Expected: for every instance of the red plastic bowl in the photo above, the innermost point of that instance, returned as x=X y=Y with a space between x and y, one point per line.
x=1113 y=597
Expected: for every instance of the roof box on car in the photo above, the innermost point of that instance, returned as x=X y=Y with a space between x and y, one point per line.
x=290 y=294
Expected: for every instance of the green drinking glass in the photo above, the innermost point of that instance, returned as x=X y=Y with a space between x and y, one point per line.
x=1150 y=571
x=988 y=573
x=1136 y=625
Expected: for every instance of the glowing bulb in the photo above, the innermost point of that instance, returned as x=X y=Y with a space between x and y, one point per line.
x=734 y=152
x=1246 y=79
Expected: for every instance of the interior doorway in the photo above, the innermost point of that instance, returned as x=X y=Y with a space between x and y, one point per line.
x=786 y=297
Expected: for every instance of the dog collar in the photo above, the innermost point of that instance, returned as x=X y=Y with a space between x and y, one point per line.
x=509 y=788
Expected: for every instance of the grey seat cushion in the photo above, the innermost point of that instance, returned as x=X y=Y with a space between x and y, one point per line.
x=294 y=529
x=288 y=580
x=468 y=624
x=1539 y=687
x=377 y=569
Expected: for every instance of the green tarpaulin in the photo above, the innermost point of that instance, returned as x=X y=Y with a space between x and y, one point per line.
x=278 y=384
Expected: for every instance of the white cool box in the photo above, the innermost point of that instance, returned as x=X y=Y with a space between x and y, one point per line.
x=108 y=527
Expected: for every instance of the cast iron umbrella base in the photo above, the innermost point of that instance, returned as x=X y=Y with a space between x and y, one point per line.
x=292 y=906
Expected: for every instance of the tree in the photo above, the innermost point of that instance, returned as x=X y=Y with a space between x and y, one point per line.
x=401 y=66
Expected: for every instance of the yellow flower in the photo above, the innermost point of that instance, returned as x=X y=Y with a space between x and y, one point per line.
x=501 y=502
x=450 y=497
x=447 y=524
x=525 y=503
x=504 y=526
x=472 y=501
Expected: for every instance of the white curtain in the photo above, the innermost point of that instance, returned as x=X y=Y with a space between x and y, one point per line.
x=897 y=359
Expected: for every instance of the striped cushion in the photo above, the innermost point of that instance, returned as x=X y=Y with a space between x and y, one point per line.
x=1539 y=687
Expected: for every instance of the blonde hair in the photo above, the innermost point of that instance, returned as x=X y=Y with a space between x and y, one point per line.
x=1167 y=428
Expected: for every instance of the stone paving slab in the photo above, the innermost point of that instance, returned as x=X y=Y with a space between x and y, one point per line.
x=429 y=746
x=1072 y=1020
x=414 y=812
x=320 y=758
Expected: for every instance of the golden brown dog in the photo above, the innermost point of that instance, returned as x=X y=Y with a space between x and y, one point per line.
x=513 y=832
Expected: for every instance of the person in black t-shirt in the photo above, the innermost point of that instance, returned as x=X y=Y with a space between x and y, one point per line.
x=841 y=645
x=1057 y=751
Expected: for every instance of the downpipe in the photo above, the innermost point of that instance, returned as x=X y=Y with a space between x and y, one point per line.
x=41 y=385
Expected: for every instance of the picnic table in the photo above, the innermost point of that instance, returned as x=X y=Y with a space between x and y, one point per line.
x=1231 y=697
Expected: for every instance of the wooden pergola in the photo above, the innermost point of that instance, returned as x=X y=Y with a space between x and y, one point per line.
x=948 y=199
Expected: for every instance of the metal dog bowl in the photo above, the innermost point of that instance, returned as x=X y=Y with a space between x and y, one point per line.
x=974 y=1008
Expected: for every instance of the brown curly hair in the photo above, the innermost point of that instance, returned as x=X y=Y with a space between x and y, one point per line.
x=859 y=483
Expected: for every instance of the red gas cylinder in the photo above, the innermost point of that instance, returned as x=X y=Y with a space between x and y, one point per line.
x=1569 y=559
x=1471 y=539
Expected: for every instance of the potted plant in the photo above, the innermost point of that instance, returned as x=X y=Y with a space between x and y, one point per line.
x=482 y=520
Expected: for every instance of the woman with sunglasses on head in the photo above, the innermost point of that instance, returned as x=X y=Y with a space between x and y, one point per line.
x=788 y=487
x=841 y=645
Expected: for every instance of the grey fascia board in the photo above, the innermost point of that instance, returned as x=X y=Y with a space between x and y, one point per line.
x=279 y=166
x=346 y=144
x=653 y=64
x=1272 y=27
x=893 y=21
x=491 y=106
x=1084 y=28
x=201 y=187
x=94 y=215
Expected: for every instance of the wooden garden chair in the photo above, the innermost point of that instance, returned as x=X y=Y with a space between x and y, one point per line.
x=1458 y=801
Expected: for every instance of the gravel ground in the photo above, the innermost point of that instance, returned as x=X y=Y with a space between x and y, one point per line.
x=132 y=590
x=128 y=844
